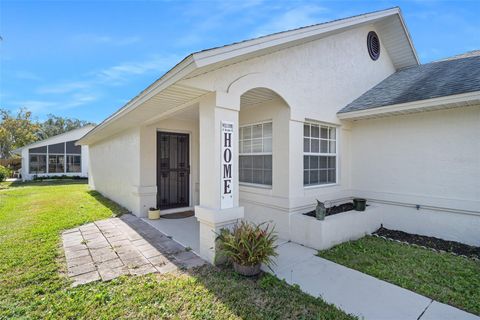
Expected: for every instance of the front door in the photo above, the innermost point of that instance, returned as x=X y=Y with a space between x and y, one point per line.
x=173 y=170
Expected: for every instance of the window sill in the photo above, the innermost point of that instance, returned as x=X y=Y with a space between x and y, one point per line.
x=321 y=186
x=253 y=185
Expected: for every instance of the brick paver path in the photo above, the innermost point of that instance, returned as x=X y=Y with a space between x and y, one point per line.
x=109 y=248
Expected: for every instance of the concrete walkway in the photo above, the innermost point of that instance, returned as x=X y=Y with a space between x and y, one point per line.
x=355 y=292
x=106 y=249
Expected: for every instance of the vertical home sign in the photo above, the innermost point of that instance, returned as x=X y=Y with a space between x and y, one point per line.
x=226 y=188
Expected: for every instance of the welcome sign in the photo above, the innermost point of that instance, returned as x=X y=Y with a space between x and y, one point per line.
x=226 y=188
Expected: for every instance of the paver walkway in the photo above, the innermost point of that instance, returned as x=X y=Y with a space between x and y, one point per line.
x=109 y=248
x=355 y=292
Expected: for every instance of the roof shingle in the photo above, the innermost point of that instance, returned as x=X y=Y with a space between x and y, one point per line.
x=427 y=81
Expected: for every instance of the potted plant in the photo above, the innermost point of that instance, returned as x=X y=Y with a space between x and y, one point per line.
x=247 y=246
x=153 y=213
x=359 y=204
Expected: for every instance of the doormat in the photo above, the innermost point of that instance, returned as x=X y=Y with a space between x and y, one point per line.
x=179 y=215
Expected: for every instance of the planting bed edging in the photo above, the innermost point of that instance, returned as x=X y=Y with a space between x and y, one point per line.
x=335 y=229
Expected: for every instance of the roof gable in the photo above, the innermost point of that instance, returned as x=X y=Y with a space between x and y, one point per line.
x=394 y=36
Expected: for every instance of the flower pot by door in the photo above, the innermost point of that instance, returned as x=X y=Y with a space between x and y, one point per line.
x=154 y=214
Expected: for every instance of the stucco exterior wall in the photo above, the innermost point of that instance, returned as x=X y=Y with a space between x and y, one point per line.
x=433 y=156
x=431 y=159
x=115 y=168
x=316 y=79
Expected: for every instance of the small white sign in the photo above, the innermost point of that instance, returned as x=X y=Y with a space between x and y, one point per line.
x=226 y=188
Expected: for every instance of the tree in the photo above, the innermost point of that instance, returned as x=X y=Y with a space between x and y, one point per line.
x=16 y=131
x=56 y=125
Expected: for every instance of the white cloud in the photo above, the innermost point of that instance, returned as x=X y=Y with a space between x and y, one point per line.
x=27 y=75
x=294 y=18
x=65 y=87
x=122 y=72
x=36 y=105
x=104 y=39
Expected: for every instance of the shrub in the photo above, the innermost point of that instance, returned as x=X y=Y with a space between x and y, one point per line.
x=4 y=173
x=248 y=244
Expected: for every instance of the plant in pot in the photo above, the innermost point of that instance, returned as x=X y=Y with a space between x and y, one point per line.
x=247 y=246
x=153 y=213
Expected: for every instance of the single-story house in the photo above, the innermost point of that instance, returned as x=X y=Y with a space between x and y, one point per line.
x=262 y=128
x=56 y=156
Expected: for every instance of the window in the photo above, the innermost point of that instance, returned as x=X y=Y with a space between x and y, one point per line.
x=319 y=154
x=74 y=163
x=37 y=163
x=56 y=163
x=256 y=154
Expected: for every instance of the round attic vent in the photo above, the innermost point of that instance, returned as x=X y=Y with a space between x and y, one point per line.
x=373 y=45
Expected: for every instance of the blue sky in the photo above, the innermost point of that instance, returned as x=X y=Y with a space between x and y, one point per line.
x=86 y=59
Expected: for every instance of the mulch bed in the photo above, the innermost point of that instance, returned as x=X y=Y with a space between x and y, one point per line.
x=348 y=206
x=430 y=242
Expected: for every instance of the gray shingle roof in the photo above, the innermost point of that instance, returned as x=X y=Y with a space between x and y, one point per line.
x=432 y=80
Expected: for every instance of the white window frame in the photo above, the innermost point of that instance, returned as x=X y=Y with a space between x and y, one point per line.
x=240 y=140
x=336 y=154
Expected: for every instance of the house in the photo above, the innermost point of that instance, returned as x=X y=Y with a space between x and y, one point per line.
x=262 y=128
x=56 y=156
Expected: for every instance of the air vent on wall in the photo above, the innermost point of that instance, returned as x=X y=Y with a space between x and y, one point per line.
x=373 y=45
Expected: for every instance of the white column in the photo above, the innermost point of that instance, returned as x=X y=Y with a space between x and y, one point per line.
x=218 y=117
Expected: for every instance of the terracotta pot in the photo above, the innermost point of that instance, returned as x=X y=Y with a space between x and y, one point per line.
x=248 y=271
x=154 y=214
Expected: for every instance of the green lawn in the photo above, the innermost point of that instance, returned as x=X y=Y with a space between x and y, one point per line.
x=33 y=285
x=441 y=276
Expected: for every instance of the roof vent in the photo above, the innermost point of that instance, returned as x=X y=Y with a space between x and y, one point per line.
x=373 y=45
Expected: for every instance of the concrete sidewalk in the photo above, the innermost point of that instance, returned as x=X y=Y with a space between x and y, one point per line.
x=355 y=292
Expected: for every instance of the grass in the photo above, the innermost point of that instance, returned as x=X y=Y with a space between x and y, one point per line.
x=32 y=285
x=444 y=277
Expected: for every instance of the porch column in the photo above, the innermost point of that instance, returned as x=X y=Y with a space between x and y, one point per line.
x=218 y=117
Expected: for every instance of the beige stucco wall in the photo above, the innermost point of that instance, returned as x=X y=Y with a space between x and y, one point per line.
x=316 y=79
x=431 y=155
x=114 y=168
x=431 y=159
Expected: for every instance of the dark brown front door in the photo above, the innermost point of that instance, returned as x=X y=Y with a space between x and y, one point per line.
x=173 y=170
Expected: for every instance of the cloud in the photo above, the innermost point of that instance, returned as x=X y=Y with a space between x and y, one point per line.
x=63 y=87
x=27 y=75
x=294 y=18
x=72 y=94
x=68 y=102
x=122 y=72
x=35 y=105
x=96 y=39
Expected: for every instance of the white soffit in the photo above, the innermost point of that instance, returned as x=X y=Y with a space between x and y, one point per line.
x=257 y=96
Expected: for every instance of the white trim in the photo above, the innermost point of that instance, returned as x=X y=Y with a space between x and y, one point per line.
x=336 y=154
x=256 y=185
x=464 y=99
x=325 y=185
x=43 y=142
x=240 y=139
